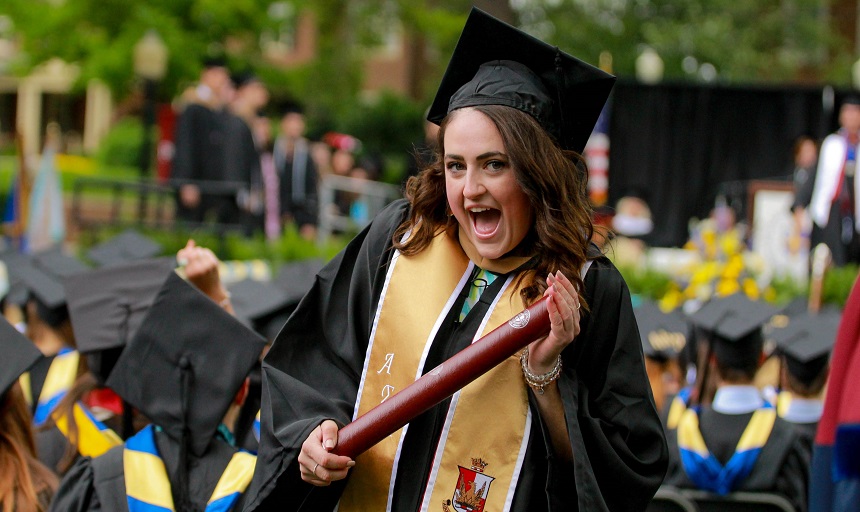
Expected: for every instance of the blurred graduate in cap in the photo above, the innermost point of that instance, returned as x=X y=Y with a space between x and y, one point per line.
x=664 y=337
x=804 y=346
x=25 y=484
x=106 y=307
x=737 y=443
x=498 y=221
x=49 y=328
x=185 y=370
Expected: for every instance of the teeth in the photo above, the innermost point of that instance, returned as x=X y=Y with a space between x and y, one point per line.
x=478 y=210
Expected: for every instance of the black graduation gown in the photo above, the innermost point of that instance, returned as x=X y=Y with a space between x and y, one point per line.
x=313 y=370
x=781 y=467
x=241 y=166
x=199 y=153
x=99 y=484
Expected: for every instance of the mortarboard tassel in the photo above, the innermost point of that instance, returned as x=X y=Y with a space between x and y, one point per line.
x=183 y=500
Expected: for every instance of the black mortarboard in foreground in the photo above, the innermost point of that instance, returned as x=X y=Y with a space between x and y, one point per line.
x=185 y=364
x=19 y=354
x=107 y=306
x=497 y=64
x=127 y=246
x=806 y=342
x=664 y=335
x=734 y=324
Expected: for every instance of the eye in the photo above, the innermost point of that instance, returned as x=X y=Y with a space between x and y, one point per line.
x=496 y=165
x=455 y=165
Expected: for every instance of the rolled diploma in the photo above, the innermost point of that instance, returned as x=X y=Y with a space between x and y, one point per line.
x=444 y=380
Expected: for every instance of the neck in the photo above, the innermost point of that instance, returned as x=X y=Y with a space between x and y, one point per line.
x=503 y=265
x=48 y=341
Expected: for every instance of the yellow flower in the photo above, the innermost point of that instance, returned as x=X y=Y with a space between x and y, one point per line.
x=734 y=267
x=671 y=300
x=751 y=288
x=727 y=287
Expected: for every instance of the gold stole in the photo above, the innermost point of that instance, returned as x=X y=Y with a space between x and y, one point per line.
x=487 y=420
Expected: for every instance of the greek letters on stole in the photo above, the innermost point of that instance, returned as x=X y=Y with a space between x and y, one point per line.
x=147 y=486
x=60 y=378
x=489 y=413
x=704 y=469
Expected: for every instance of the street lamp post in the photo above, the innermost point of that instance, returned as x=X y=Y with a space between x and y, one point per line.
x=150 y=64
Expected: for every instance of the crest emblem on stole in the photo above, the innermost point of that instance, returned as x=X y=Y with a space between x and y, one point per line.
x=473 y=487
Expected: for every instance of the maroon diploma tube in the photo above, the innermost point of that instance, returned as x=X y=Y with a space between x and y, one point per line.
x=444 y=380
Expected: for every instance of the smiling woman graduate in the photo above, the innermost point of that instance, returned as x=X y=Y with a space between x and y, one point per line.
x=498 y=221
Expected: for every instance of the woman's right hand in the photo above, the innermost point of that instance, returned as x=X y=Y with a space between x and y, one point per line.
x=317 y=465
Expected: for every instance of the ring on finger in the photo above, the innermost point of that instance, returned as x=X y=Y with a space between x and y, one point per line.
x=315 y=469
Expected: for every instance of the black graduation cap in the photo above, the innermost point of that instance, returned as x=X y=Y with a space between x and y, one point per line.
x=664 y=335
x=47 y=292
x=19 y=354
x=298 y=277
x=214 y=61
x=58 y=263
x=497 y=64
x=185 y=364
x=734 y=325
x=128 y=246
x=256 y=302
x=806 y=342
x=243 y=78
x=16 y=261
x=107 y=306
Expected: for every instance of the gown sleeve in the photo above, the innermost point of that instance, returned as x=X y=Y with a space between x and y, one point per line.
x=77 y=489
x=313 y=369
x=619 y=446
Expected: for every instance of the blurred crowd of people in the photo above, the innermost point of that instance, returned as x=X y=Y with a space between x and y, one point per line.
x=235 y=165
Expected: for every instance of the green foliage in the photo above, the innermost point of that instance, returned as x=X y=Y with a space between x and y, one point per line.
x=786 y=288
x=837 y=284
x=764 y=41
x=228 y=246
x=121 y=145
x=646 y=282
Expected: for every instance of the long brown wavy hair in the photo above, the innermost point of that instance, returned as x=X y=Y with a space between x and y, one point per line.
x=552 y=178
x=24 y=482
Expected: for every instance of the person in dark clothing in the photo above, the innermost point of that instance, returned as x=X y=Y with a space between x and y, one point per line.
x=297 y=174
x=25 y=483
x=737 y=442
x=199 y=144
x=804 y=347
x=498 y=221
x=242 y=164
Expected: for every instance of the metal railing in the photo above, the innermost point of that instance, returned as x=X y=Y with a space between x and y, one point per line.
x=369 y=198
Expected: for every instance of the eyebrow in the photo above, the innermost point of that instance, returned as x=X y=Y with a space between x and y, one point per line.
x=482 y=156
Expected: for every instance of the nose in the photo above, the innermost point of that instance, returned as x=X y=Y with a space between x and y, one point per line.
x=474 y=186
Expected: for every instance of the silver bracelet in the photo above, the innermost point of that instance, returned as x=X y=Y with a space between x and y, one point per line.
x=538 y=382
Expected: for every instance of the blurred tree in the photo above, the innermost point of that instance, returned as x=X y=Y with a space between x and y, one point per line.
x=99 y=35
x=725 y=40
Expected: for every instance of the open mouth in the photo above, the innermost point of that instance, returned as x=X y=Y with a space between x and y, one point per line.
x=485 y=221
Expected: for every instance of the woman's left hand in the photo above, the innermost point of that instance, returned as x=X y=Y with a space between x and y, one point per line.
x=563 y=307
